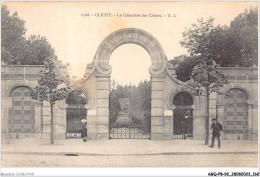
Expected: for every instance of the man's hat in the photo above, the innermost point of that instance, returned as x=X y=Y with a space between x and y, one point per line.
x=213 y=119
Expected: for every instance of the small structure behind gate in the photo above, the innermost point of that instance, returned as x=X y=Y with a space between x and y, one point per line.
x=123 y=125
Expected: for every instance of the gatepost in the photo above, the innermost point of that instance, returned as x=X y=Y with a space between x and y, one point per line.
x=7 y=104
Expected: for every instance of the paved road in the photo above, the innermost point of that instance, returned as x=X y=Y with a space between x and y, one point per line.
x=209 y=160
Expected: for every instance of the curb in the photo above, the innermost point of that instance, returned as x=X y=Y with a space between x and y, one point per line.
x=141 y=154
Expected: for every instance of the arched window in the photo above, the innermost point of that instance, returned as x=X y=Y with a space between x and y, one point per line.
x=76 y=98
x=183 y=99
x=22 y=114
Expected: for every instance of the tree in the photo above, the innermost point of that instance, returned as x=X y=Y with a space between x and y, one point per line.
x=229 y=46
x=114 y=106
x=38 y=49
x=205 y=79
x=48 y=90
x=183 y=66
x=13 y=42
x=205 y=75
x=16 y=49
x=245 y=30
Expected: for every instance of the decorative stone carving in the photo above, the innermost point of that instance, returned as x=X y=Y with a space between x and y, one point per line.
x=251 y=95
x=18 y=84
x=174 y=92
x=130 y=35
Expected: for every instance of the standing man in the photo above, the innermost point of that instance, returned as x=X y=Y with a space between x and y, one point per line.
x=84 y=133
x=216 y=127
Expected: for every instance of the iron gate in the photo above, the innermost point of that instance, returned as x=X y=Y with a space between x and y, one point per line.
x=183 y=116
x=182 y=123
x=74 y=126
x=125 y=121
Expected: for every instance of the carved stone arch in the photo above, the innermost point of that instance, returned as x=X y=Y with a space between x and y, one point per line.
x=89 y=95
x=135 y=36
x=251 y=98
x=18 y=84
x=175 y=91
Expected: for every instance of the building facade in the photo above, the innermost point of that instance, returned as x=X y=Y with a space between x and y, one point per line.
x=237 y=110
x=175 y=112
x=21 y=116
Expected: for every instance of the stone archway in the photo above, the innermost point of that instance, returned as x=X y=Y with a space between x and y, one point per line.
x=134 y=36
x=101 y=63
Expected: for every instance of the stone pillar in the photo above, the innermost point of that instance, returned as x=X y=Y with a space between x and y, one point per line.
x=168 y=124
x=92 y=124
x=6 y=118
x=157 y=107
x=198 y=122
x=5 y=107
x=220 y=117
x=255 y=123
x=59 y=119
x=212 y=111
x=3 y=123
x=103 y=107
x=38 y=119
x=46 y=117
x=250 y=121
x=220 y=113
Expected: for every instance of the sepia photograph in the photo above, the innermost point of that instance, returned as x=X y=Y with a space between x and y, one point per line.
x=129 y=84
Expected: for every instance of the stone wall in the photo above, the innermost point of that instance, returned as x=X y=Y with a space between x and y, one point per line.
x=164 y=87
x=13 y=76
x=239 y=77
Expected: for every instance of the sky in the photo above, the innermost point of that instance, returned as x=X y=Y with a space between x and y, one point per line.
x=76 y=37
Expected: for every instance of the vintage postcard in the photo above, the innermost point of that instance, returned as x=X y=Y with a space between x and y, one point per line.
x=129 y=84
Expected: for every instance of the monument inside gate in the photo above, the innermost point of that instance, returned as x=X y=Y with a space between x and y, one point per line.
x=103 y=71
x=98 y=75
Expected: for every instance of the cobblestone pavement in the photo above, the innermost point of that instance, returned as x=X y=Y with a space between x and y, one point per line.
x=211 y=160
x=124 y=146
x=128 y=153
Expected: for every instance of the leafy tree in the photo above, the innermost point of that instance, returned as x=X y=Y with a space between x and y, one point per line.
x=13 y=42
x=229 y=46
x=183 y=65
x=16 y=49
x=48 y=90
x=140 y=105
x=245 y=31
x=224 y=45
x=197 y=39
x=38 y=49
x=205 y=79
x=204 y=76
x=114 y=106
